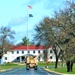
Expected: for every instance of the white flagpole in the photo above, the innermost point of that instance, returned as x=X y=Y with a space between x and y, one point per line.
x=27 y=23
x=27 y=27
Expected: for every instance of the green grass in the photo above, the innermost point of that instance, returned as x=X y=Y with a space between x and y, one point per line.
x=44 y=64
x=41 y=63
x=63 y=70
x=11 y=65
x=60 y=69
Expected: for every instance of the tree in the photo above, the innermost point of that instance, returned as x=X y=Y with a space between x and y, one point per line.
x=59 y=31
x=5 y=34
x=47 y=34
x=25 y=42
x=67 y=27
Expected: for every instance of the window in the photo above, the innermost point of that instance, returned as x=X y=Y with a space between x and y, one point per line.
x=50 y=57
x=51 y=51
x=12 y=52
x=5 y=58
x=17 y=52
x=28 y=51
x=33 y=51
x=44 y=51
x=22 y=52
x=39 y=51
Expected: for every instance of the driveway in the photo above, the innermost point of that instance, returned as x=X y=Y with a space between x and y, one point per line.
x=23 y=71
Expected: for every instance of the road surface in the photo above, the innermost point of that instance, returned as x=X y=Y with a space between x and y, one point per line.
x=23 y=71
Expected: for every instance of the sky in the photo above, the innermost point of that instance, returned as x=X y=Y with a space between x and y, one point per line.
x=14 y=14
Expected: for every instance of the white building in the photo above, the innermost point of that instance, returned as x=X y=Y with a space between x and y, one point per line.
x=18 y=53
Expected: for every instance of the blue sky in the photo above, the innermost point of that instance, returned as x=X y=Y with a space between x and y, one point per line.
x=14 y=14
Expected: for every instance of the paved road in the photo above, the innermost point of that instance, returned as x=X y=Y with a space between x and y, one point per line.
x=23 y=71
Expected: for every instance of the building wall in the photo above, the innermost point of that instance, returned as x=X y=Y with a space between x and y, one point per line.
x=12 y=55
x=51 y=55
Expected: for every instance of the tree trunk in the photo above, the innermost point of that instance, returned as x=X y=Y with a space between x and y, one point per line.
x=56 y=63
x=0 y=57
x=69 y=65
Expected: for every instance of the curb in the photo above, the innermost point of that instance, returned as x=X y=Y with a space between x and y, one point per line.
x=5 y=70
x=48 y=70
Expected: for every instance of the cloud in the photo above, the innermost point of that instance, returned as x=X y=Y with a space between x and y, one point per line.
x=32 y=2
x=40 y=9
x=50 y=5
x=20 y=34
x=17 y=21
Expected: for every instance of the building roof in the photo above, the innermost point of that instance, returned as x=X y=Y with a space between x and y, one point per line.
x=27 y=47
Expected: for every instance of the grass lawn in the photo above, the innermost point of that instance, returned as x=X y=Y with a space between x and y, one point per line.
x=63 y=70
x=60 y=69
x=11 y=65
x=44 y=64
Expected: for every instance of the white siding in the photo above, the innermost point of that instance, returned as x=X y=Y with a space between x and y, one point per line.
x=11 y=57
